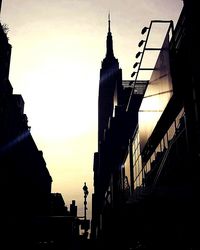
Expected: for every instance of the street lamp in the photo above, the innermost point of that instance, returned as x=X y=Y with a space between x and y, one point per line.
x=138 y=54
x=85 y=190
x=85 y=223
x=135 y=65
x=134 y=72
x=140 y=44
x=144 y=30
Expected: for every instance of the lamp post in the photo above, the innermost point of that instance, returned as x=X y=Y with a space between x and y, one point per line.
x=85 y=221
x=144 y=43
x=85 y=190
x=140 y=54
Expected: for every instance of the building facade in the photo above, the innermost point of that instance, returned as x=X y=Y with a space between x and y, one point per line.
x=150 y=157
x=25 y=180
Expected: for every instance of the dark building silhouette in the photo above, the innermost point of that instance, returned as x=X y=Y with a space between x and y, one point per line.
x=25 y=177
x=31 y=217
x=110 y=79
x=109 y=86
x=60 y=229
x=146 y=170
x=25 y=181
x=58 y=205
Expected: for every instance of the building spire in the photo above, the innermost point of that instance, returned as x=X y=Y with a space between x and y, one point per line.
x=109 y=51
x=0 y=5
x=109 y=21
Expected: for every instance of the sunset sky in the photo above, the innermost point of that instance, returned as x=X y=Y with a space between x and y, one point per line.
x=57 y=49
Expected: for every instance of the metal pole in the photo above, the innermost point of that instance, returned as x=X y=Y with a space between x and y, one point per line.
x=85 y=189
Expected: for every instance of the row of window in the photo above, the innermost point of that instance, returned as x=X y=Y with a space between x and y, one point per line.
x=133 y=162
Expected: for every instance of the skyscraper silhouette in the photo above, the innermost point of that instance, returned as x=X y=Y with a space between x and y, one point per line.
x=110 y=104
x=109 y=85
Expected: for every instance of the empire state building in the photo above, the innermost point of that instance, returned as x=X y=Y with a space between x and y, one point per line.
x=109 y=84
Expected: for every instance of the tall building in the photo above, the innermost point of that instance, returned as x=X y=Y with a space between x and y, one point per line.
x=23 y=166
x=25 y=180
x=109 y=86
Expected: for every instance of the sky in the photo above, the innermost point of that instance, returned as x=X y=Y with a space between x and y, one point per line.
x=57 y=50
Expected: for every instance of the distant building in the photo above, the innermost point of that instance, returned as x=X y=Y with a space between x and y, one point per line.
x=60 y=228
x=146 y=170
x=73 y=208
x=58 y=205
